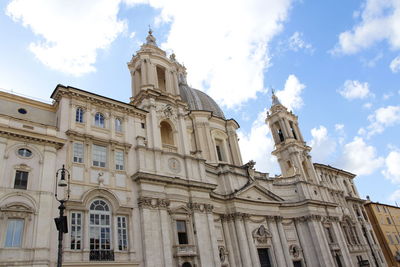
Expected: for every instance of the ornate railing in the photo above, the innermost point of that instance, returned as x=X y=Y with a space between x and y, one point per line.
x=101 y=255
x=185 y=250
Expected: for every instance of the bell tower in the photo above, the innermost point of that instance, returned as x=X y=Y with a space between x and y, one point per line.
x=290 y=149
x=152 y=71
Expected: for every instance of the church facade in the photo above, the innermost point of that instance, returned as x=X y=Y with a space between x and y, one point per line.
x=160 y=181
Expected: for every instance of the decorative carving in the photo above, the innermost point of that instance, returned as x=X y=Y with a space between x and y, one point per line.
x=295 y=250
x=174 y=165
x=234 y=216
x=261 y=234
x=200 y=207
x=148 y=202
x=222 y=254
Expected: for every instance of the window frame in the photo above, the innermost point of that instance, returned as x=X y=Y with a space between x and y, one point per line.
x=99 y=120
x=15 y=179
x=184 y=234
x=93 y=226
x=118 y=125
x=76 y=156
x=76 y=237
x=117 y=162
x=122 y=232
x=96 y=162
x=79 y=115
x=21 y=238
x=23 y=154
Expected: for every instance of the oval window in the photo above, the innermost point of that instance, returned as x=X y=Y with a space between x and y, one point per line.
x=24 y=152
x=22 y=111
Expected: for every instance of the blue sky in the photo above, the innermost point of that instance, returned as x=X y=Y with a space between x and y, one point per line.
x=336 y=64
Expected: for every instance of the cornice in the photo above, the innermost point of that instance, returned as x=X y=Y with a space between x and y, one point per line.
x=26 y=101
x=73 y=133
x=71 y=92
x=142 y=177
x=31 y=137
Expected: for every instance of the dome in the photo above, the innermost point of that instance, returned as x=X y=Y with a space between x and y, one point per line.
x=197 y=100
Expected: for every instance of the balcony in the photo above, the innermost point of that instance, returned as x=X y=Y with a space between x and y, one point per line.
x=101 y=255
x=185 y=250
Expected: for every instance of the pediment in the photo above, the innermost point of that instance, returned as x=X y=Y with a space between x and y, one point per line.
x=257 y=193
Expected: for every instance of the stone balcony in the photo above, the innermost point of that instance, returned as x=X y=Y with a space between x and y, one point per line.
x=185 y=250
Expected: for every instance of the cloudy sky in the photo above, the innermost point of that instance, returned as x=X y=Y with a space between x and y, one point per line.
x=336 y=64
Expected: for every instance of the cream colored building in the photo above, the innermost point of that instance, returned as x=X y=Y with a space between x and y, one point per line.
x=160 y=181
x=385 y=220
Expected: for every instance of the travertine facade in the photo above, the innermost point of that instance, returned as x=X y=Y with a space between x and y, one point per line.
x=160 y=181
x=385 y=220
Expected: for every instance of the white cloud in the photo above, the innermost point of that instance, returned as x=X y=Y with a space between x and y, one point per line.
x=258 y=144
x=70 y=34
x=297 y=43
x=224 y=43
x=395 y=196
x=387 y=96
x=392 y=164
x=322 y=145
x=367 y=105
x=395 y=64
x=360 y=158
x=339 y=127
x=370 y=63
x=290 y=96
x=382 y=118
x=355 y=89
x=379 y=21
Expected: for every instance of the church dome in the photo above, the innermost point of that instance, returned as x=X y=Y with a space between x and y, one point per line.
x=198 y=100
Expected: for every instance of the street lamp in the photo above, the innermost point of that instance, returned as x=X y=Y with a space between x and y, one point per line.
x=62 y=184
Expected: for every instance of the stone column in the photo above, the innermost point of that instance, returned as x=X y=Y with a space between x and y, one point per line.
x=166 y=235
x=341 y=240
x=228 y=241
x=304 y=246
x=253 y=250
x=211 y=230
x=285 y=246
x=279 y=255
x=243 y=245
x=319 y=241
x=235 y=241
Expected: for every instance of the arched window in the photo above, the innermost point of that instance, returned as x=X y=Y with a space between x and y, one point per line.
x=100 y=231
x=99 y=120
x=79 y=115
x=118 y=125
x=167 y=136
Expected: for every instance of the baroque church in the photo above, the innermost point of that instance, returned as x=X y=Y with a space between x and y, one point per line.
x=160 y=181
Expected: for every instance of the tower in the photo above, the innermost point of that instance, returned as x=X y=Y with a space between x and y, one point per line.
x=152 y=70
x=290 y=149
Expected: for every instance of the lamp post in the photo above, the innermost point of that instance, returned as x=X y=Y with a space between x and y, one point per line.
x=62 y=183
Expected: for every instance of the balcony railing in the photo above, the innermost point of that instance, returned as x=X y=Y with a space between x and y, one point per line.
x=101 y=255
x=185 y=250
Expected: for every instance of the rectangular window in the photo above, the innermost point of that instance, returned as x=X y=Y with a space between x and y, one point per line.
x=15 y=229
x=99 y=156
x=219 y=148
x=389 y=236
x=122 y=229
x=329 y=234
x=78 y=152
x=76 y=230
x=182 y=232
x=388 y=220
x=377 y=208
x=119 y=160
x=21 y=180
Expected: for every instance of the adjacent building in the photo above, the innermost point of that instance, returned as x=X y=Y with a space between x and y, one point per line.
x=385 y=220
x=159 y=181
